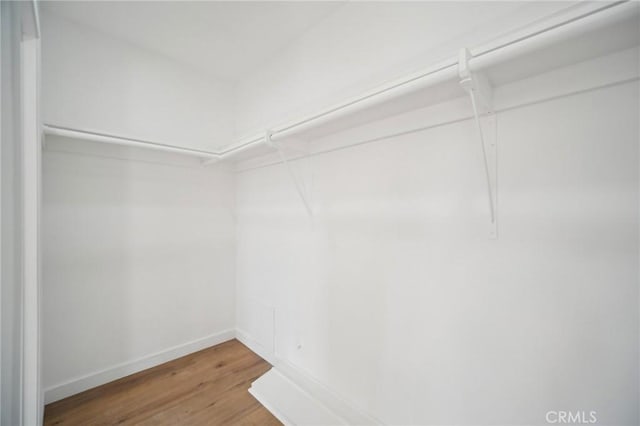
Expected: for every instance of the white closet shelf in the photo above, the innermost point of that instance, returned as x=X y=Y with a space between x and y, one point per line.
x=582 y=32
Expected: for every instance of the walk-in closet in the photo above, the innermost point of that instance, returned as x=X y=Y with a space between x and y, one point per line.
x=320 y=213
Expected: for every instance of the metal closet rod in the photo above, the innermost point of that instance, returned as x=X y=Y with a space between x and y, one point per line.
x=51 y=129
x=448 y=70
x=440 y=73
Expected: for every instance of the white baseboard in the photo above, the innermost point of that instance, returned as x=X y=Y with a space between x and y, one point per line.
x=339 y=406
x=291 y=404
x=88 y=381
x=264 y=400
x=326 y=396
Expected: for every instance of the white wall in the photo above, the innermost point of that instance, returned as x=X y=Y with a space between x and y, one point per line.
x=94 y=82
x=364 y=44
x=138 y=246
x=139 y=259
x=393 y=296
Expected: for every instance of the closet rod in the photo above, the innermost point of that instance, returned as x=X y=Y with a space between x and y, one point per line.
x=447 y=70
x=208 y=156
x=101 y=137
x=606 y=15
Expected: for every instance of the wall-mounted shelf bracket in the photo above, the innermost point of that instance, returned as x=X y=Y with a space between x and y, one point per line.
x=480 y=93
x=302 y=186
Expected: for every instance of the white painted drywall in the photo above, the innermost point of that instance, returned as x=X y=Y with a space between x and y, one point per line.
x=393 y=297
x=138 y=247
x=95 y=82
x=139 y=259
x=364 y=44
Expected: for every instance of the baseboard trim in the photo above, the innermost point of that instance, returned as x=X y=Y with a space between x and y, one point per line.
x=291 y=404
x=308 y=384
x=262 y=399
x=88 y=381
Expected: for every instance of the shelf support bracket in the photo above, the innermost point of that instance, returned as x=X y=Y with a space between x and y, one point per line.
x=299 y=184
x=480 y=94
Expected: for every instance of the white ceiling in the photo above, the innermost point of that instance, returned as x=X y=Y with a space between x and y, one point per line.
x=225 y=39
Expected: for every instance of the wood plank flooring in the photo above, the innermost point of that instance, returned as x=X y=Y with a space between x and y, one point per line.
x=205 y=388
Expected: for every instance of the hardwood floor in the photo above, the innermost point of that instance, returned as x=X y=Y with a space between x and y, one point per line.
x=205 y=388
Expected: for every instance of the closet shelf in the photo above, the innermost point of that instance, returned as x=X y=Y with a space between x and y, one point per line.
x=582 y=32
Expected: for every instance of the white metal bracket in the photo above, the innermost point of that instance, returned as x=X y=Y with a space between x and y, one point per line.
x=302 y=186
x=480 y=93
x=476 y=82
